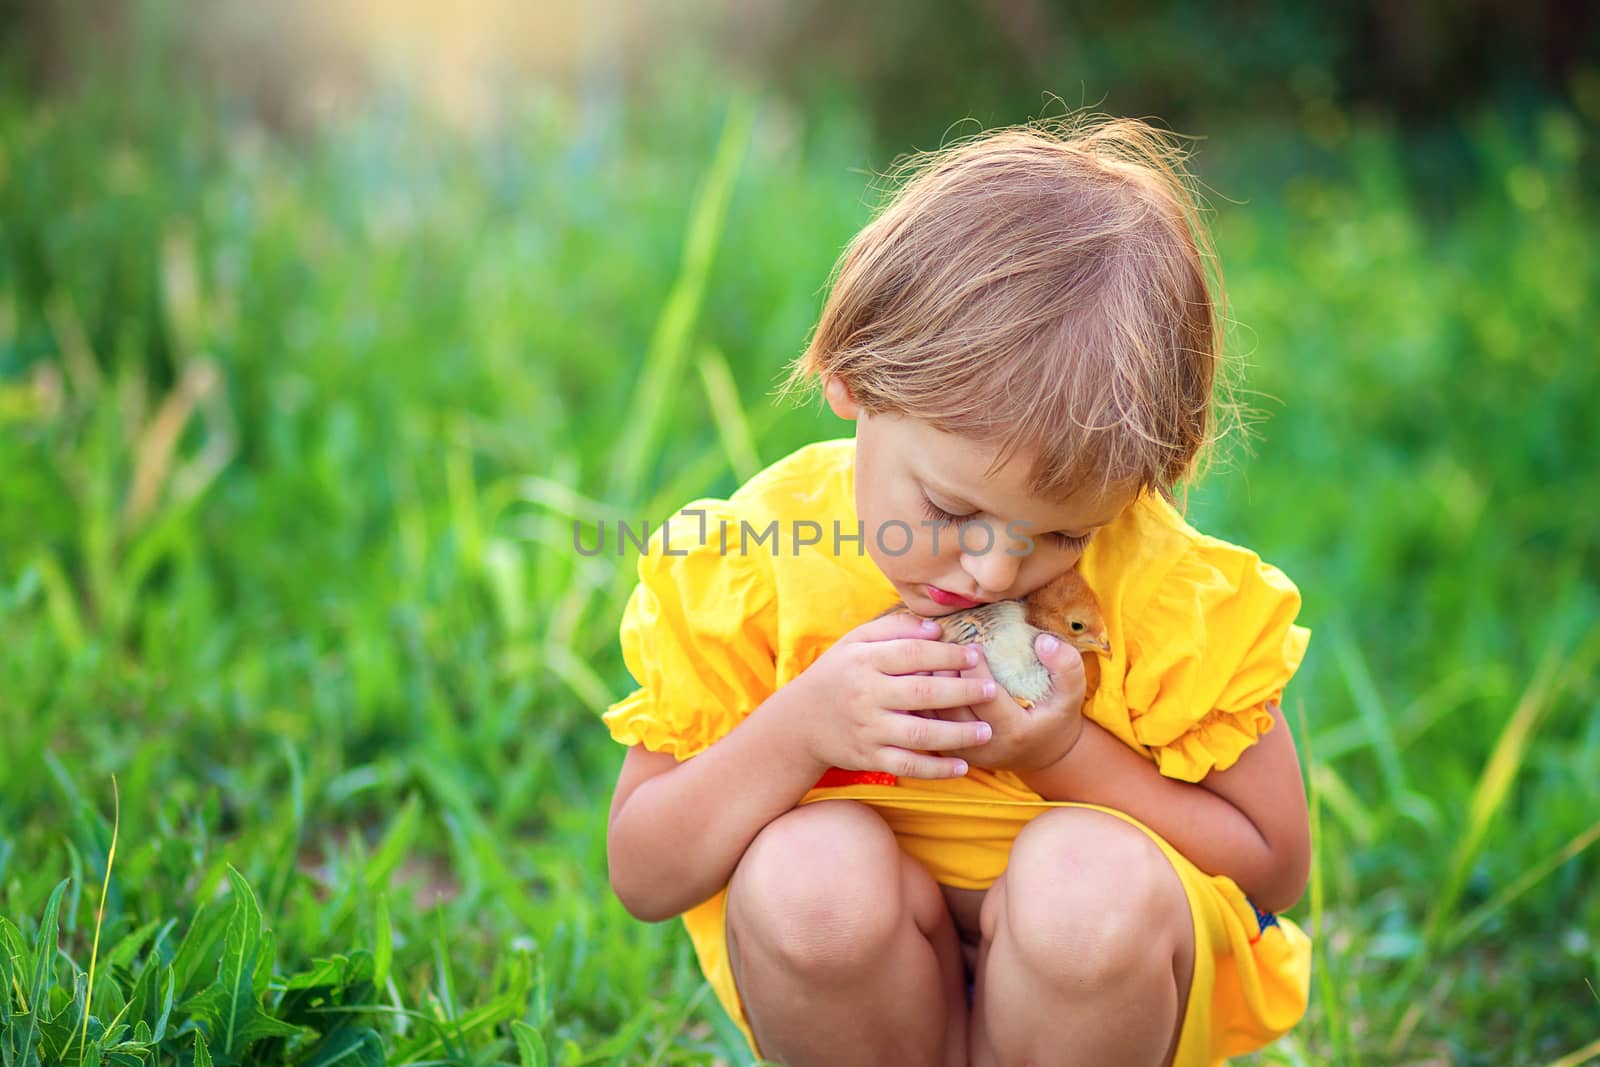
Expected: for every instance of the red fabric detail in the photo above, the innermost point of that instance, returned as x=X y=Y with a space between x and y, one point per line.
x=833 y=776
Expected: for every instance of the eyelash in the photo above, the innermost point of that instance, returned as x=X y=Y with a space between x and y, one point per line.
x=938 y=514
x=1072 y=544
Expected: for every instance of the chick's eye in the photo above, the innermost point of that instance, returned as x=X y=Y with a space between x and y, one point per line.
x=1077 y=627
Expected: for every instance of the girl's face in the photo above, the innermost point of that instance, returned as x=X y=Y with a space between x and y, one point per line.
x=948 y=537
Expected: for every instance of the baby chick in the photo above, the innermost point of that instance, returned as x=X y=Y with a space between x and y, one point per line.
x=1006 y=629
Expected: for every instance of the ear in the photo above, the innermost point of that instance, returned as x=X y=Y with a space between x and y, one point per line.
x=840 y=399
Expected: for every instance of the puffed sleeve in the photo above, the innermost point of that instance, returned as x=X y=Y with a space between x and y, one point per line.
x=1216 y=643
x=698 y=635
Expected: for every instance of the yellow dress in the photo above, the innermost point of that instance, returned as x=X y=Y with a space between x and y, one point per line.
x=727 y=610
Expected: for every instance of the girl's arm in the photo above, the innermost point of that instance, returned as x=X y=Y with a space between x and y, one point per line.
x=677 y=829
x=1248 y=822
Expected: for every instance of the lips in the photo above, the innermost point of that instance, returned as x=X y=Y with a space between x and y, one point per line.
x=948 y=599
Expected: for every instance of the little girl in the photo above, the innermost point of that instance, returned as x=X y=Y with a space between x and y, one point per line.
x=1028 y=342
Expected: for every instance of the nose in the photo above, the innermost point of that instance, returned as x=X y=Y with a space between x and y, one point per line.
x=988 y=561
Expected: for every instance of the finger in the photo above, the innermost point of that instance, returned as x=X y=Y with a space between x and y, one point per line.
x=908 y=656
x=936 y=735
x=907 y=764
x=922 y=765
x=896 y=624
x=979 y=669
x=1058 y=657
x=897 y=608
x=921 y=691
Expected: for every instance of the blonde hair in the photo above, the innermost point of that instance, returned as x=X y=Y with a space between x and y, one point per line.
x=1046 y=287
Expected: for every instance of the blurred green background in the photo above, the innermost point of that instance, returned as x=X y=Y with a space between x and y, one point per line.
x=321 y=324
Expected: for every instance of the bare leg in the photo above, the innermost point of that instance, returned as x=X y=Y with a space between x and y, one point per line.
x=841 y=945
x=1087 y=949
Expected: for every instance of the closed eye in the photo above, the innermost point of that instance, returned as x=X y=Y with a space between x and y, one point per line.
x=938 y=514
x=1070 y=543
x=1066 y=541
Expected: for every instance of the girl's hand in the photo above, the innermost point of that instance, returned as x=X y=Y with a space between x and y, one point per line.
x=1031 y=739
x=862 y=696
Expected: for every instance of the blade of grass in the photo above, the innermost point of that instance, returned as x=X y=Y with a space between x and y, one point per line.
x=382 y=941
x=100 y=916
x=1338 y=1035
x=692 y=477
x=1432 y=706
x=1494 y=782
x=1529 y=878
x=395 y=846
x=1419 y=1009
x=677 y=1024
x=61 y=602
x=72 y=341
x=462 y=492
x=44 y=957
x=1505 y=761
x=1355 y=816
x=728 y=413
x=669 y=345
x=579 y=677
x=1369 y=706
x=491 y=1013
x=552 y=495
x=1587 y=1054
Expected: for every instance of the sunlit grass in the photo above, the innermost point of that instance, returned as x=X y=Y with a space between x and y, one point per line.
x=293 y=438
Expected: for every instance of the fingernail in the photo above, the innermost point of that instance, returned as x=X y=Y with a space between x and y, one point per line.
x=972 y=656
x=1048 y=644
x=985 y=731
x=988 y=689
x=961 y=768
x=929 y=625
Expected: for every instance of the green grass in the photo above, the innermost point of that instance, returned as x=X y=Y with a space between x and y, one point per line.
x=293 y=433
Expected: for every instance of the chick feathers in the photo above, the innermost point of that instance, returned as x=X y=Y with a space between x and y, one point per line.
x=1006 y=629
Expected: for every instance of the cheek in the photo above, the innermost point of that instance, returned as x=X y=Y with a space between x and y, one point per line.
x=1044 y=565
x=901 y=546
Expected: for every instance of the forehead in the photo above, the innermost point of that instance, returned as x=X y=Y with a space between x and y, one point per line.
x=959 y=469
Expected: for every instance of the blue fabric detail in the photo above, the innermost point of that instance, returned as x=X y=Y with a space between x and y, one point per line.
x=1264 y=919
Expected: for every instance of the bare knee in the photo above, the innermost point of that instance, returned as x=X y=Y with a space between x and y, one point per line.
x=819 y=890
x=1091 y=901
